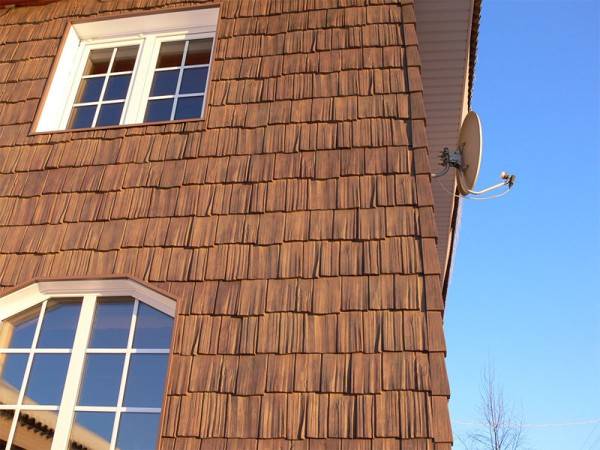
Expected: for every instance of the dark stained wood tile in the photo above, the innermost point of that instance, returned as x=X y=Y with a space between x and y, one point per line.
x=251 y=378
x=335 y=374
x=341 y=415
x=230 y=335
x=439 y=377
x=307 y=374
x=350 y=337
x=409 y=292
x=280 y=373
x=441 y=428
x=322 y=194
x=387 y=414
x=415 y=407
x=317 y=412
x=320 y=333
x=415 y=331
x=258 y=255
x=272 y=416
x=296 y=414
x=268 y=333
x=322 y=258
x=213 y=416
x=242 y=418
x=290 y=260
x=355 y=293
x=188 y=405
x=435 y=332
x=433 y=293
x=351 y=258
x=430 y=263
x=365 y=373
x=327 y=295
x=271 y=228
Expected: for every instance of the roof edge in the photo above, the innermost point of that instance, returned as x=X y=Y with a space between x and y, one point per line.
x=456 y=206
x=473 y=46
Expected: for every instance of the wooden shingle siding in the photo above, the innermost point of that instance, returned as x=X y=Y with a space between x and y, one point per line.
x=294 y=222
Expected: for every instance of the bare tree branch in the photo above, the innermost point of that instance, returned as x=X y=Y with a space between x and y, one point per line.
x=503 y=426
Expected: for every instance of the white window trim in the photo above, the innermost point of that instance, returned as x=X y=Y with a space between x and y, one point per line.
x=89 y=291
x=148 y=30
x=35 y=293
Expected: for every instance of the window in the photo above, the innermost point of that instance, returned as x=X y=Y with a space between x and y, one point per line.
x=83 y=365
x=130 y=70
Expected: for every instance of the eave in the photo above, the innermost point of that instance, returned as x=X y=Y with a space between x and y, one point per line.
x=447 y=33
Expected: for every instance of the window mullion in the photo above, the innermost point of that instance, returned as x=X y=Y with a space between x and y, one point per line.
x=143 y=71
x=34 y=341
x=104 y=86
x=17 y=410
x=113 y=441
x=74 y=373
x=179 y=78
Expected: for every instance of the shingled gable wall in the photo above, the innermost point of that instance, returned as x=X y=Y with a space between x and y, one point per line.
x=294 y=224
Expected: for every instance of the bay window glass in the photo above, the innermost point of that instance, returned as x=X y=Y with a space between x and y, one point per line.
x=83 y=372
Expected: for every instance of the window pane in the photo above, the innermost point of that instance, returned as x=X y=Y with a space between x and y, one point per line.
x=47 y=379
x=101 y=380
x=164 y=83
x=18 y=331
x=198 y=52
x=60 y=323
x=130 y=438
x=125 y=59
x=98 y=61
x=82 y=117
x=189 y=107
x=12 y=370
x=159 y=110
x=117 y=87
x=89 y=90
x=146 y=381
x=112 y=322
x=110 y=114
x=193 y=80
x=171 y=54
x=35 y=430
x=152 y=329
x=92 y=430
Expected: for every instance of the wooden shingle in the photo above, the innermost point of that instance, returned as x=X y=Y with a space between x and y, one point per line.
x=272 y=416
x=387 y=414
x=242 y=418
x=251 y=379
x=294 y=223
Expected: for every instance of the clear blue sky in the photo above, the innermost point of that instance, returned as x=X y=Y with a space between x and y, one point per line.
x=525 y=289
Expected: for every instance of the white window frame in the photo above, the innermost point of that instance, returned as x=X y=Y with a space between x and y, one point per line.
x=89 y=291
x=148 y=31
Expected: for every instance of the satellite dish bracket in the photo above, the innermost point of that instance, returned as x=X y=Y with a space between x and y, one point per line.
x=450 y=158
x=466 y=159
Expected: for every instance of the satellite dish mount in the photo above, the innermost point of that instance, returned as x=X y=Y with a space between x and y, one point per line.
x=466 y=159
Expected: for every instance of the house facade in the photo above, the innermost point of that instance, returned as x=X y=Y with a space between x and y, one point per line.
x=218 y=227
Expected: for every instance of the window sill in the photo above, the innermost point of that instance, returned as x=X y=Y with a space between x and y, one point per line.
x=194 y=125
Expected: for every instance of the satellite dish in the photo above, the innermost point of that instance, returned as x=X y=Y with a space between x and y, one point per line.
x=470 y=146
x=466 y=159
